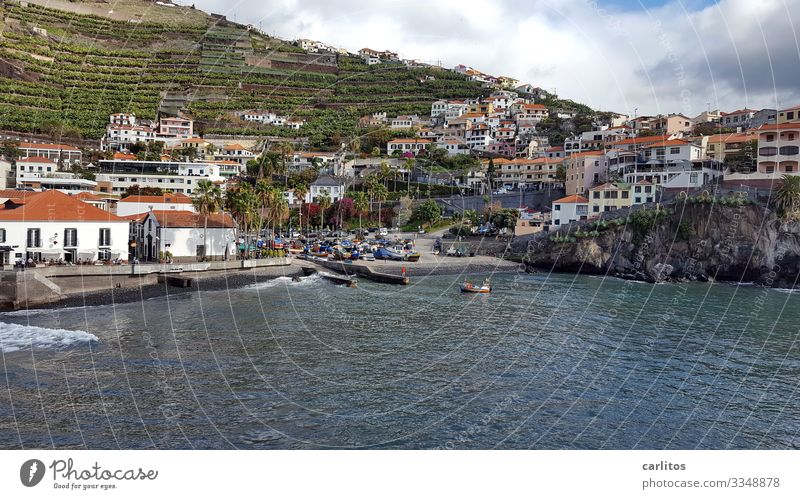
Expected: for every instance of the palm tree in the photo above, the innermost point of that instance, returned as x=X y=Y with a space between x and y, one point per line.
x=360 y=203
x=300 y=192
x=263 y=192
x=286 y=149
x=381 y=193
x=787 y=196
x=324 y=202
x=207 y=199
x=409 y=170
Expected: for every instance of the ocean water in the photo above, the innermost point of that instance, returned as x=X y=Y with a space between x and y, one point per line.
x=545 y=362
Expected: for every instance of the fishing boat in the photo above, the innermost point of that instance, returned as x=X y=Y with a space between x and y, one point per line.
x=468 y=287
x=387 y=254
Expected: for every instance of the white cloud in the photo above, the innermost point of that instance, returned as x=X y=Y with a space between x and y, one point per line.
x=667 y=59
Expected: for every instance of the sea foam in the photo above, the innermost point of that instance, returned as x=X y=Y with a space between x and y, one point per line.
x=14 y=337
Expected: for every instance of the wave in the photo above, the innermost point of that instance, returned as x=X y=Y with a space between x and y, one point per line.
x=312 y=280
x=41 y=311
x=14 y=337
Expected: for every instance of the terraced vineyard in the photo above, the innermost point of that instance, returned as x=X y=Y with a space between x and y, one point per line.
x=72 y=70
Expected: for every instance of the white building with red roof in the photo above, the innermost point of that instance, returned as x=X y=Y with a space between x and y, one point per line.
x=51 y=225
x=187 y=236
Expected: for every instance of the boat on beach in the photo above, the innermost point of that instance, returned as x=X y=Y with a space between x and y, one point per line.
x=468 y=287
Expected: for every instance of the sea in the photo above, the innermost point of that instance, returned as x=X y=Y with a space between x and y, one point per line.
x=546 y=361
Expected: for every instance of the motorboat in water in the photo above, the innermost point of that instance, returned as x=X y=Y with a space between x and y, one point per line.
x=468 y=287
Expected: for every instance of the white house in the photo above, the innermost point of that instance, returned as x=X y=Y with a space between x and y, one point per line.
x=407 y=145
x=55 y=152
x=326 y=185
x=52 y=225
x=569 y=209
x=181 y=233
x=133 y=205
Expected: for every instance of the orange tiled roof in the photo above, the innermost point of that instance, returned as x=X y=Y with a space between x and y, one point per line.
x=574 y=198
x=181 y=218
x=36 y=159
x=782 y=126
x=52 y=206
x=641 y=140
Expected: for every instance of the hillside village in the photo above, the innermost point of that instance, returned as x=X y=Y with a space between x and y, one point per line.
x=199 y=164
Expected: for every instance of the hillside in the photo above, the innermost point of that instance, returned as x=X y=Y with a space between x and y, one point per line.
x=65 y=72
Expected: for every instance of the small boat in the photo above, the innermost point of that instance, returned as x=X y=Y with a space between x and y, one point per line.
x=387 y=254
x=468 y=287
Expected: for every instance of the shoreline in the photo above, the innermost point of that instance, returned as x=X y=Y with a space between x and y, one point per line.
x=219 y=280
x=201 y=281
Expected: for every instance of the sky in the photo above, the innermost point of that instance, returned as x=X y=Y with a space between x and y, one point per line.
x=642 y=57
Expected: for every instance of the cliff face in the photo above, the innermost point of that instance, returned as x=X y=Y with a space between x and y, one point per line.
x=692 y=241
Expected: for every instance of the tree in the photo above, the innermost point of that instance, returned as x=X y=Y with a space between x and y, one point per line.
x=324 y=202
x=207 y=199
x=743 y=160
x=380 y=194
x=430 y=211
x=787 y=197
x=361 y=204
x=300 y=192
x=135 y=190
x=11 y=151
x=490 y=173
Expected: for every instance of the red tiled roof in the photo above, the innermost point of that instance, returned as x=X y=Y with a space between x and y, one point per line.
x=83 y=196
x=574 y=198
x=782 y=126
x=53 y=205
x=36 y=159
x=175 y=218
x=641 y=140
x=123 y=156
x=587 y=153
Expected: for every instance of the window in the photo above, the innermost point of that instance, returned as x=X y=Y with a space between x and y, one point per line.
x=200 y=250
x=105 y=237
x=637 y=199
x=34 y=238
x=557 y=207
x=649 y=199
x=769 y=169
x=595 y=209
x=674 y=150
x=789 y=150
x=768 y=151
x=104 y=254
x=789 y=168
x=2 y=235
x=790 y=115
x=637 y=188
x=70 y=238
x=596 y=194
x=625 y=194
x=770 y=137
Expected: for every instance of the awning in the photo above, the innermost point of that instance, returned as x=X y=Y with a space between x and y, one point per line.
x=52 y=252
x=86 y=253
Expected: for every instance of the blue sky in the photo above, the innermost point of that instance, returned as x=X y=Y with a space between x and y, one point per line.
x=656 y=56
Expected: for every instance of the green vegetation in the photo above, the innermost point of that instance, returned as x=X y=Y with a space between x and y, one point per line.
x=87 y=67
x=787 y=197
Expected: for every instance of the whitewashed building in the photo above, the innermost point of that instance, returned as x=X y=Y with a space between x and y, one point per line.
x=182 y=234
x=51 y=225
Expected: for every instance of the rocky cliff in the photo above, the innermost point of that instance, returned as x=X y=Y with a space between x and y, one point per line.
x=704 y=240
